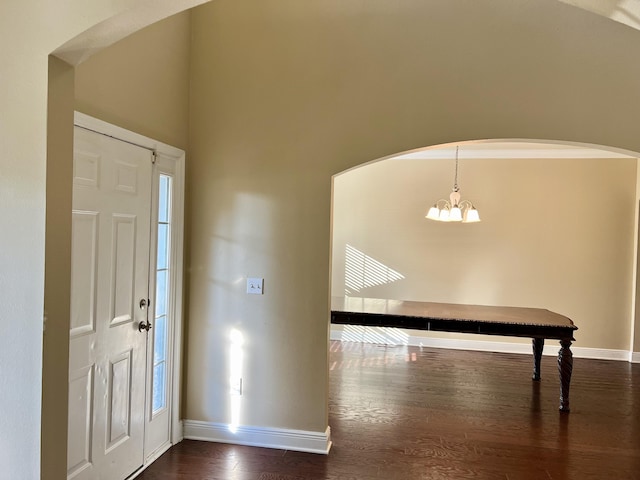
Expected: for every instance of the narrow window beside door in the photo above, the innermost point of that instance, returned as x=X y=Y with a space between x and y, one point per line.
x=159 y=400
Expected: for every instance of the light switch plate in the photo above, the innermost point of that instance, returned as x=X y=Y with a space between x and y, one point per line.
x=254 y=285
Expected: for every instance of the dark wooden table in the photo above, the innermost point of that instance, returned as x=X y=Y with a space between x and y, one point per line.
x=535 y=323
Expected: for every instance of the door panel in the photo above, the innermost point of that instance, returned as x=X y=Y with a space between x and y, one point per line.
x=110 y=265
x=84 y=274
x=122 y=268
x=80 y=423
x=119 y=420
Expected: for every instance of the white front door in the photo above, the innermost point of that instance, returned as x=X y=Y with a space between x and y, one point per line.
x=109 y=300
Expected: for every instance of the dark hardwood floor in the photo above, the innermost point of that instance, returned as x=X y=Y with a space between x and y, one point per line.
x=400 y=412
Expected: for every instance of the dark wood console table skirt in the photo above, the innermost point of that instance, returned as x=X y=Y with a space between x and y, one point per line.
x=535 y=323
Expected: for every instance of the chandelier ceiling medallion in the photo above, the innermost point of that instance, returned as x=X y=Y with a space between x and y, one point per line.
x=454 y=210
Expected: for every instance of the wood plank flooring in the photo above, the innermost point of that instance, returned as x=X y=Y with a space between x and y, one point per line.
x=399 y=412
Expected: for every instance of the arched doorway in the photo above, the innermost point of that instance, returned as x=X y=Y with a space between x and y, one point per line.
x=558 y=231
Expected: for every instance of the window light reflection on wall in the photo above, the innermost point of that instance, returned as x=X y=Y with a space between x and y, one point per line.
x=362 y=271
x=235 y=377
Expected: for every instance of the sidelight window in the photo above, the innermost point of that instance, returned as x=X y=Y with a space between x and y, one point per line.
x=163 y=289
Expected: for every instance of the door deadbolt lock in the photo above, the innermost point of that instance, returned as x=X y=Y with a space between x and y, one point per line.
x=145 y=325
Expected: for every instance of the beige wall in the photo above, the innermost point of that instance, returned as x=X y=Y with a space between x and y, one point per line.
x=55 y=365
x=285 y=94
x=141 y=83
x=556 y=234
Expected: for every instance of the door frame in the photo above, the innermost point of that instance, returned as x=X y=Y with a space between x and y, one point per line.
x=176 y=262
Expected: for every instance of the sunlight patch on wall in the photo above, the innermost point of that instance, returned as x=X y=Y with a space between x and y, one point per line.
x=236 y=355
x=362 y=271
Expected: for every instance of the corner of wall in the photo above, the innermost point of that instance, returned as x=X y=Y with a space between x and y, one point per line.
x=57 y=289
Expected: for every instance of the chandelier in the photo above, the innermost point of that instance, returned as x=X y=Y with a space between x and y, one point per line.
x=454 y=210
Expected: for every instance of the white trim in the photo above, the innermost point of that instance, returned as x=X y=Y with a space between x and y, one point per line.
x=85 y=121
x=176 y=269
x=600 y=353
x=635 y=357
x=296 y=440
x=634 y=283
x=177 y=432
x=550 y=348
x=172 y=166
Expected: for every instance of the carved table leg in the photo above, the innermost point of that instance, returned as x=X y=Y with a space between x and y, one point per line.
x=565 y=367
x=538 y=345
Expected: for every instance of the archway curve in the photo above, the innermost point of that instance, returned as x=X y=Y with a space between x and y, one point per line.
x=128 y=21
x=558 y=239
x=118 y=26
x=577 y=149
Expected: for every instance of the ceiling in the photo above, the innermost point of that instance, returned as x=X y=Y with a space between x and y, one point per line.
x=513 y=150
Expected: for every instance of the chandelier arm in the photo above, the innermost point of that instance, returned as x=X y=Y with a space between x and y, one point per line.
x=442 y=203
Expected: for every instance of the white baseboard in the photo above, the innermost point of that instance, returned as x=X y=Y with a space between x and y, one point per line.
x=296 y=440
x=551 y=347
x=635 y=357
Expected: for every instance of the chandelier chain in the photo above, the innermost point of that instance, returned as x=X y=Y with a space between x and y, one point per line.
x=455 y=179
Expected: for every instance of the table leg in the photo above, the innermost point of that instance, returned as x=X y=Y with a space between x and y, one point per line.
x=538 y=345
x=565 y=367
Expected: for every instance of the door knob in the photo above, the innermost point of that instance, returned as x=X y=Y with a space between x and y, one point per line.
x=144 y=326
